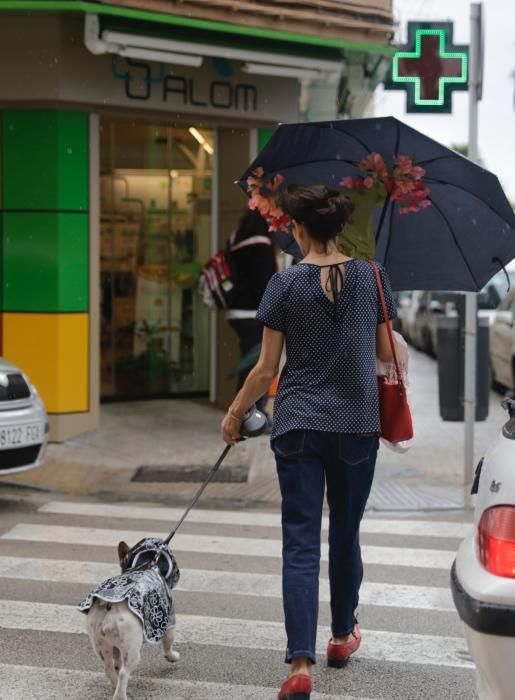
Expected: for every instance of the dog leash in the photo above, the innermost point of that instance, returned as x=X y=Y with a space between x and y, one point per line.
x=199 y=493
x=194 y=501
x=253 y=424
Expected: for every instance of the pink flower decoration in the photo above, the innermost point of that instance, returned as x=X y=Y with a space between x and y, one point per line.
x=403 y=183
x=404 y=165
x=374 y=162
x=264 y=199
x=417 y=172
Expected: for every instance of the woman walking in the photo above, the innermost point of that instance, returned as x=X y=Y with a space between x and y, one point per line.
x=325 y=431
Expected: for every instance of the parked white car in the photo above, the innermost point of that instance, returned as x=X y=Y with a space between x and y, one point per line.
x=23 y=422
x=502 y=343
x=483 y=574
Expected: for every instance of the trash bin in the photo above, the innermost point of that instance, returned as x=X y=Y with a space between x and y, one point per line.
x=451 y=369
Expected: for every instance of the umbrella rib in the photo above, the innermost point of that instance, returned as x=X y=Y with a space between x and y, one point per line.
x=389 y=233
x=324 y=160
x=355 y=138
x=428 y=161
x=458 y=246
x=243 y=181
x=397 y=137
x=472 y=194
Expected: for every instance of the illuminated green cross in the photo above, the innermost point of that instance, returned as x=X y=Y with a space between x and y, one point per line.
x=430 y=69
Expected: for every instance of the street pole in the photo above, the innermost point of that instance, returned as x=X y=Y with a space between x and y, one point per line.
x=471 y=297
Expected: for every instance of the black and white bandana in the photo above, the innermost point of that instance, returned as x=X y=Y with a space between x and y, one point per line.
x=147 y=590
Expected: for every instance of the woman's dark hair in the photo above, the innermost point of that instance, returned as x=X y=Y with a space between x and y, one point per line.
x=322 y=211
x=251 y=224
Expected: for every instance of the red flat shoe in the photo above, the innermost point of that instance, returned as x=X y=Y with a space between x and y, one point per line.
x=338 y=654
x=297 y=687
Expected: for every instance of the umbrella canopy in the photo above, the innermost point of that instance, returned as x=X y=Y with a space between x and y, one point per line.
x=457 y=243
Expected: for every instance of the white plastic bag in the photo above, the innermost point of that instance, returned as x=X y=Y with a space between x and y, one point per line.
x=387 y=369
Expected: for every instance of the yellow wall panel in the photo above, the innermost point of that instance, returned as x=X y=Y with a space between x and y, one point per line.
x=53 y=350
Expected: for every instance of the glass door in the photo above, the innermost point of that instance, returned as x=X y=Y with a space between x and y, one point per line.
x=156 y=189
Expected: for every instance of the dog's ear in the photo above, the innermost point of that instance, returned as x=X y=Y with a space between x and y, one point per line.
x=123 y=548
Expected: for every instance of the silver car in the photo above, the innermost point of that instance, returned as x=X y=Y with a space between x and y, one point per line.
x=23 y=422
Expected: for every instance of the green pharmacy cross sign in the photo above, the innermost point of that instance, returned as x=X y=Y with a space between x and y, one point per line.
x=429 y=68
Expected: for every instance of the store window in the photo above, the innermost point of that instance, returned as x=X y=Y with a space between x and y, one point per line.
x=156 y=190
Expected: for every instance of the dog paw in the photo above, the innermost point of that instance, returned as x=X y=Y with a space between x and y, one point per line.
x=172 y=656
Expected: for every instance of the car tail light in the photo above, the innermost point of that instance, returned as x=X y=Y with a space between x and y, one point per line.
x=496 y=540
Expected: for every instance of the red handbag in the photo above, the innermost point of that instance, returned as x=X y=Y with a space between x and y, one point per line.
x=396 y=423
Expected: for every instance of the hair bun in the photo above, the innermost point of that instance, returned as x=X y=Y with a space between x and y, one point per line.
x=340 y=203
x=323 y=211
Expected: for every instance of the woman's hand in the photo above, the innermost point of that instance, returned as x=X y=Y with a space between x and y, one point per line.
x=257 y=383
x=231 y=426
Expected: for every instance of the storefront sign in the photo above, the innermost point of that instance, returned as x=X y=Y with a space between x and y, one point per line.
x=179 y=90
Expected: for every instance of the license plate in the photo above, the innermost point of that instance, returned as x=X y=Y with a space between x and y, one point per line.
x=21 y=435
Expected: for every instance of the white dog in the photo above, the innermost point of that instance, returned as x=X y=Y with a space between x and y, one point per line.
x=134 y=607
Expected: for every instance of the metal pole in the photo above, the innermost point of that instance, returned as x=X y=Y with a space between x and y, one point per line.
x=471 y=297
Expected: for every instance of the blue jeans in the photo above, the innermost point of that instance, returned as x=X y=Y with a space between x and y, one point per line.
x=306 y=461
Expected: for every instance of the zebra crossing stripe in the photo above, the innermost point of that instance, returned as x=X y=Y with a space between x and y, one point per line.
x=391 y=647
x=22 y=682
x=425 y=528
x=223 y=582
x=210 y=544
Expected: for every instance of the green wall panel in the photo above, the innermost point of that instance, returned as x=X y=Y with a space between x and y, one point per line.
x=45 y=262
x=45 y=160
x=1 y=265
x=264 y=136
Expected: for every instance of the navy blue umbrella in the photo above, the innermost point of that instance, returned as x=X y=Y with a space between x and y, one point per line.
x=458 y=243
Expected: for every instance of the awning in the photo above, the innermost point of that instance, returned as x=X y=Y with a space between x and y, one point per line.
x=370 y=21
x=190 y=53
x=332 y=25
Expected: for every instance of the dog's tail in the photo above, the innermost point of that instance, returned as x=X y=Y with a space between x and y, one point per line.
x=108 y=624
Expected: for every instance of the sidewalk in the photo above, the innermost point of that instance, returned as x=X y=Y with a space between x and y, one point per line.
x=176 y=434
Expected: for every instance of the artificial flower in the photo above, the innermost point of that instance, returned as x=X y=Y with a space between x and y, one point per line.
x=374 y=162
x=264 y=195
x=403 y=182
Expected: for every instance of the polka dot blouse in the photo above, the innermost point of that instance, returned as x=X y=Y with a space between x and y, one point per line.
x=329 y=381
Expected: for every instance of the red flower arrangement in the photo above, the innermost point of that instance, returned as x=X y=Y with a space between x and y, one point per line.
x=403 y=182
x=264 y=196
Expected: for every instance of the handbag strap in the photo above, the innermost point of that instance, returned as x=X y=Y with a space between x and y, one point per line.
x=386 y=318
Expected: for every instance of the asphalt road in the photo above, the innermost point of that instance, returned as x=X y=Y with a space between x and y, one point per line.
x=229 y=611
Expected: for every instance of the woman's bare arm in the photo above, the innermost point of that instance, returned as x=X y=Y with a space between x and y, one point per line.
x=383 y=347
x=257 y=383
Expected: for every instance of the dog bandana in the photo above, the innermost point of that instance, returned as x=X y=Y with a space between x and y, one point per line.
x=146 y=590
